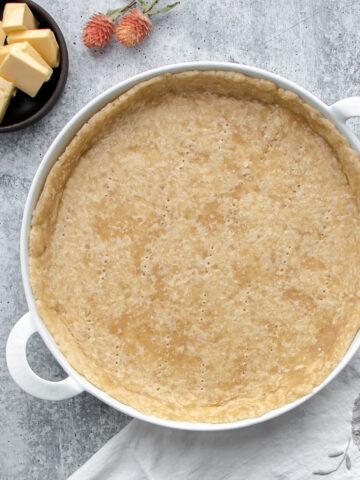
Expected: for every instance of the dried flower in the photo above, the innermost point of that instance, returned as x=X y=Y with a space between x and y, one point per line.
x=100 y=28
x=98 y=31
x=135 y=26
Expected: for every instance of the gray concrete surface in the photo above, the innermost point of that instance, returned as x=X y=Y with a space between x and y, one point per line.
x=314 y=43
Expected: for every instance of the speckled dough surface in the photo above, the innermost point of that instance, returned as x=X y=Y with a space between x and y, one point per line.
x=194 y=251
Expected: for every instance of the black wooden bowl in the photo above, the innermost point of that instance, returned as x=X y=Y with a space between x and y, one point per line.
x=24 y=110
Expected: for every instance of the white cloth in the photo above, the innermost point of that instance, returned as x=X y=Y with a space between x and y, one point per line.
x=292 y=446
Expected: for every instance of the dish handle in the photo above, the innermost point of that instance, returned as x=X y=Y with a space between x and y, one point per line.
x=346 y=108
x=21 y=372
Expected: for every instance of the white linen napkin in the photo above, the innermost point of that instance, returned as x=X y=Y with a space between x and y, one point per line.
x=320 y=436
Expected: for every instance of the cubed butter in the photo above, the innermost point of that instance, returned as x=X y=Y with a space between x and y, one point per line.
x=29 y=50
x=2 y=35
x=43 y=40
x=26 y=48
x=4 y=51
x=25 y=69
x=18 y=16
x=6 y=92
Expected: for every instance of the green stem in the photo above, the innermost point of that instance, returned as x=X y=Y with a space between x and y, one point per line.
x=144 y=5
x=114 y=14
x=162 y=10
x=152 y=5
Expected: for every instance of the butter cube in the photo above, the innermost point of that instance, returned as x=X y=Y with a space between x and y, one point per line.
x=26 y=48
x=25 y=69
x=4 y=51
x=2 y=35
x=6 y=92
x=29 y=50
x=43 y=40
x=18 y=16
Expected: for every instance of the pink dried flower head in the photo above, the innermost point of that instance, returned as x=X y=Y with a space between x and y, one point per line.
x=100 y=28
x=98 y=31
x=133 y=28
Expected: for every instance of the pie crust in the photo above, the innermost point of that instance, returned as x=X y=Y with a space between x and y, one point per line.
x=195 y=250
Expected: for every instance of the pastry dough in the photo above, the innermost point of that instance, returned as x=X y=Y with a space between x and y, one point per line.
x=195 y=249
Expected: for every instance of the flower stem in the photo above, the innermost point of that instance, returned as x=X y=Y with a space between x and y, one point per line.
x=152 y=5
x=162 y=10
x=114 y=14
x=144 y=5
